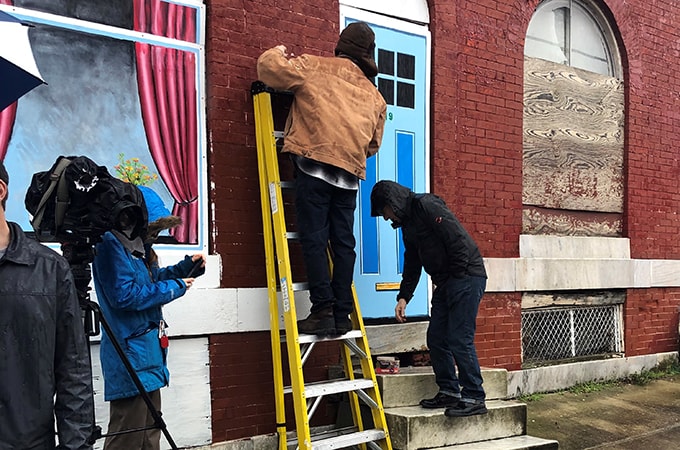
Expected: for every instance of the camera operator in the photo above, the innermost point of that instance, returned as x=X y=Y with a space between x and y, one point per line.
x=131 y=289
x=43 y=346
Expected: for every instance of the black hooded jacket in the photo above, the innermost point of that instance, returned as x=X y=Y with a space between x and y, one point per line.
x=434 y=239
x=45 y=365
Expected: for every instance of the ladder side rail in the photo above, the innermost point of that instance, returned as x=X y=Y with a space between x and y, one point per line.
x=262 y=135
x=367 y=370
x=355 y=348
x=355 y=407
x=287 y=293
x=311 y=409
x=307 y=351
x=361 y=348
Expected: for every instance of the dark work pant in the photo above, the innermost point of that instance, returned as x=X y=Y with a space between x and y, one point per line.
x=325 y=214
x=451 y=335
x=131 y=413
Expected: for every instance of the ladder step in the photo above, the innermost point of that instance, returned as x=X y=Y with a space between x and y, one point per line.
x=335 y=433
x=310 y=338
x=317 y=389
x=287 y=184
x=297 y=287
x=347 y=440
x=292 y=235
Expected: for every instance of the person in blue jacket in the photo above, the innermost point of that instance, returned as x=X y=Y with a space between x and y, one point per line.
x=132 y=289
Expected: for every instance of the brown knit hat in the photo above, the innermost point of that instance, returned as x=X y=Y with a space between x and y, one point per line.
x=357 y=41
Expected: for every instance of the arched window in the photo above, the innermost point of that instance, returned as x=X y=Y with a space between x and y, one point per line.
x=573 y=33
x=573 y=173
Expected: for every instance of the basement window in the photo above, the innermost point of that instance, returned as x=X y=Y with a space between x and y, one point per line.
x=562 y=334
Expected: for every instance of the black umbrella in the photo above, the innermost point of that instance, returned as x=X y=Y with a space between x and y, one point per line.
x=18 y=71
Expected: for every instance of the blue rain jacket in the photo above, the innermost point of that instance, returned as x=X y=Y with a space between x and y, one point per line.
x=130 y=296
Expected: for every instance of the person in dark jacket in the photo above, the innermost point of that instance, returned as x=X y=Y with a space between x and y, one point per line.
x=45 y=367
x=435 y=240
x=335 y=123
x=131 y=290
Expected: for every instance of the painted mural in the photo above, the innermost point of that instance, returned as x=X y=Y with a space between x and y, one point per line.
x=125 y=99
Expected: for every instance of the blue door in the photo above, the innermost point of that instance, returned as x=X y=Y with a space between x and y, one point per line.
x=402 y=62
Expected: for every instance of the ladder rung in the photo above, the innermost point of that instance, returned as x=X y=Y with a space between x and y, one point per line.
x=278 y=134
x=301 y=286
x=334 y=434
x=292 y=235
x=320 y=388
x=310 y=338
x=346 y=440
x=288 y=185
x=297 y=287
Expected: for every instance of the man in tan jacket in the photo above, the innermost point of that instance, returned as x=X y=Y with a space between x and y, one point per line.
x=336 y=121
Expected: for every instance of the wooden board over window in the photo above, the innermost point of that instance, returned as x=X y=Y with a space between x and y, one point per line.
x=573 y=145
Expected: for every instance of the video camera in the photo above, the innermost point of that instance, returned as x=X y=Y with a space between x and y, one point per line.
x=77 y=201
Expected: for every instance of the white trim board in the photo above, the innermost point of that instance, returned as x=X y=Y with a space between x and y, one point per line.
x=411 y=10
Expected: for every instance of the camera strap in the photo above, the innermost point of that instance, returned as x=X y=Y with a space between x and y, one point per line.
x=62 y=196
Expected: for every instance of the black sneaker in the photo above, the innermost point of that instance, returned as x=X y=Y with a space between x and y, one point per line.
x=439 y=401
x=463 y=409
x=320 y=323
x=343 y=325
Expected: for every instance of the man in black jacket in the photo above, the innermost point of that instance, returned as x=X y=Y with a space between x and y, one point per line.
x=45 y=368
x=435 y=240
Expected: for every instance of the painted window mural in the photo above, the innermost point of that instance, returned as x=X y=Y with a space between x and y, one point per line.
x=124 y=82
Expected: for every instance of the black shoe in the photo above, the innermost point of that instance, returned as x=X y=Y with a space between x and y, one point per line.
x=439 y=401
x=343 y=325
x=320 y=323
x=463 y=409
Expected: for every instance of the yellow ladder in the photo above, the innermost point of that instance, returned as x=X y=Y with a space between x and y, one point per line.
x=307 y=397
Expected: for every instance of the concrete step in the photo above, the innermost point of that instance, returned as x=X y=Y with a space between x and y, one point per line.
x=413 y=427
x=511 y=443
x=413 y=384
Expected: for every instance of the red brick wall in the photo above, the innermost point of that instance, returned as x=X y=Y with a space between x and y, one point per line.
x=476 y=149
x=237 y=33
x=651 y=321
x=498 y=339
x=649 y=35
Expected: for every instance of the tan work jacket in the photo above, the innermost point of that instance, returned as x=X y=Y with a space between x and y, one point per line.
x=337 y=116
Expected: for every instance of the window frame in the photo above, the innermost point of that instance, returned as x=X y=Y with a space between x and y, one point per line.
x=602 y=23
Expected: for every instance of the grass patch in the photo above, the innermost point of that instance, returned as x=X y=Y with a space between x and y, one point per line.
x=667 y=369
x=530 y=398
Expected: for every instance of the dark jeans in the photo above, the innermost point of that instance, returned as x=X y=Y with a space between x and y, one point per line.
x=451 y=334
x=325 y=214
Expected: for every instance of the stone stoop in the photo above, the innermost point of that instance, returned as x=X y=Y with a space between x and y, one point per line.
x=413 y=384
x=412 y=427
x=512 y=443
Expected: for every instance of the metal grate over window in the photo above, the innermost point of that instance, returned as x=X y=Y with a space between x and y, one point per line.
x=554 y=334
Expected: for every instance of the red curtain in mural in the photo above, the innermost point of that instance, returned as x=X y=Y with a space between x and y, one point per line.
x=7 y=116
x=167 y=90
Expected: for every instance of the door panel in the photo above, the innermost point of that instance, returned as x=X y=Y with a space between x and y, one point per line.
x=402 y=59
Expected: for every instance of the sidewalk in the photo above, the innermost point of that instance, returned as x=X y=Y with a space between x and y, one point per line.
x=627 y=417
